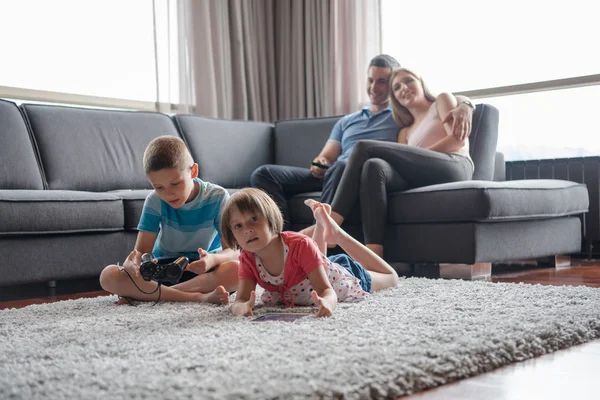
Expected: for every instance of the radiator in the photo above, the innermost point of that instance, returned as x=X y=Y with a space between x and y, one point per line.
x=581 y=169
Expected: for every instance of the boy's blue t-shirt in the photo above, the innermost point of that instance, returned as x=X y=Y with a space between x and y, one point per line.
x=181 y=231
x=363 y=125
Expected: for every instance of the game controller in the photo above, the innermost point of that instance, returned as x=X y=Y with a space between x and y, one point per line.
x=161 y=273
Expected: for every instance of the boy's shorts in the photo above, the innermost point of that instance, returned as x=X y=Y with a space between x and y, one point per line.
x=354 y=268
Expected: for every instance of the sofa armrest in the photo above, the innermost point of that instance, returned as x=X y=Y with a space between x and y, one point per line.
x=499 y=167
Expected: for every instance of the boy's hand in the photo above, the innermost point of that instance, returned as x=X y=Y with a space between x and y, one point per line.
x=244 y=308
x=206 y=262
x=325 y=309
x=132 y=263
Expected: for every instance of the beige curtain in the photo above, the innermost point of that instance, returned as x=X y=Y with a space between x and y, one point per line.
x=356 y=38
x=269 y=60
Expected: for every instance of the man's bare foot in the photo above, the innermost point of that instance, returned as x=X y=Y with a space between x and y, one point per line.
x=217 y=296
x=331 y=230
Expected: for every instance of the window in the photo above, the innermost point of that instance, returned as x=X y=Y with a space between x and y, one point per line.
x=98 y=48
x=468 y=45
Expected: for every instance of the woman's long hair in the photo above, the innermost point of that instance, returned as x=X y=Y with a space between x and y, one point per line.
x=401 y=115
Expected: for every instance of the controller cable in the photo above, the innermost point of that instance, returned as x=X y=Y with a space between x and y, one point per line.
x=129 y=300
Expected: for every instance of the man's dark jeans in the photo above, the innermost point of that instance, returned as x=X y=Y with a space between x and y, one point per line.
x=284 y=181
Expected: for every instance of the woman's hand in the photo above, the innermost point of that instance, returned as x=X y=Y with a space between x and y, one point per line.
x=244 y=308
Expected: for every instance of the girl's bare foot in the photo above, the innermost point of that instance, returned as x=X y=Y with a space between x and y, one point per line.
x=331 y=230
x=311 y=229
x=217 y=296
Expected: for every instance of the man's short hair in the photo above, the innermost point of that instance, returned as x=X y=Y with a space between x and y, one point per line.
x=384 y=61
x=167 y=152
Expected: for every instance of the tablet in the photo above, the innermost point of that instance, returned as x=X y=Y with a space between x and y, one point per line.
x=288 y=317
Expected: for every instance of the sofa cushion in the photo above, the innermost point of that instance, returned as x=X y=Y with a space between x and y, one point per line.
x=58 y=211
x=133 y=204
x=488 y=201
x=227 y=151
x=94 y=150
x=299 y=141
x=19 y=168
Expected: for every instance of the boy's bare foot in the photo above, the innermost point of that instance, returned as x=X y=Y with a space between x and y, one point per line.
x=122 y=301
x=217 y=296
x=331 y=230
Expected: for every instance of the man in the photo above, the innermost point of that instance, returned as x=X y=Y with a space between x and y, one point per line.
x=373 y=122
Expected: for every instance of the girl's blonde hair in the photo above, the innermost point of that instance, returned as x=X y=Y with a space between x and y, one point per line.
x=401 y=115
x=246 y=201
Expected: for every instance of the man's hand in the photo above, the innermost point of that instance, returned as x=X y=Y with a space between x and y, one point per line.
x=132 y=263
x=319 y=172
x=206 y=262
x=239 y=308
x=460 y=118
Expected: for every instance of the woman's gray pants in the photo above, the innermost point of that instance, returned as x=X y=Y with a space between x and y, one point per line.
x=376 y=167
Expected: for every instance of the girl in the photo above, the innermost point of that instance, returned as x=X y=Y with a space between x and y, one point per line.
x=292 y=267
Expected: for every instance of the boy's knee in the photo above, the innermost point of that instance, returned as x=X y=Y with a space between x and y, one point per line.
x=231 y=272
x=109 y=277
x=232 y=267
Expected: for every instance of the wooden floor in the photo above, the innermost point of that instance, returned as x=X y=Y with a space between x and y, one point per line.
x=566 y=374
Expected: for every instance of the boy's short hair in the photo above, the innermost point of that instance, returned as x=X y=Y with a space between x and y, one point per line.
x=249 y=200
x=167 y=152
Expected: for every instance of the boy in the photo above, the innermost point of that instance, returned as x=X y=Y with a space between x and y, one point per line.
x=179 y=216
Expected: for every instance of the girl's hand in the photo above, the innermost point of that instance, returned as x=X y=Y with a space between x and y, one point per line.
x=244 y=308
x=132 y=263
x=206 y=262
x=325 y=309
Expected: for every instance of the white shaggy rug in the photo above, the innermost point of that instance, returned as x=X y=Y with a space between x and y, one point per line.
x=423 y=333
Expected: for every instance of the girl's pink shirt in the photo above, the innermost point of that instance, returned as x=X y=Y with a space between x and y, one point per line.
x=303 y=258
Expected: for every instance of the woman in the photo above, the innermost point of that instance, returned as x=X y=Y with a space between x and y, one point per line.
x=427 y=153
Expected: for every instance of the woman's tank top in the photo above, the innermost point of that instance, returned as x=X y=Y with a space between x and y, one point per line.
x=431 y=130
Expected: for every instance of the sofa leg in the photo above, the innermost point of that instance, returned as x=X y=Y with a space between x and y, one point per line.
x=480 y=271
x=558 y=261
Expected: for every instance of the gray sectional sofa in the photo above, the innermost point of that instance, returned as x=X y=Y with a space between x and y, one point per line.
x=72 y=188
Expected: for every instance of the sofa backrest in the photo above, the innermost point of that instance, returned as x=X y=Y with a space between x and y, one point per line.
x=299 y=141
x=226 y=151
x=19 y=168
x=483 y=141
x=94 y=150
